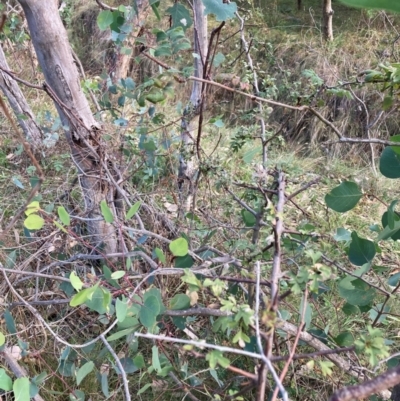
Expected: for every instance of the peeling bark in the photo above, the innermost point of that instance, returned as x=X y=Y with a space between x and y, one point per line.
x=123 y=61
x=192 y=110
x=83 y=134
x=19 y=105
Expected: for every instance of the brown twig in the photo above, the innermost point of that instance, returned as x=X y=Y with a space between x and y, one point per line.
x=293 y=350
x=364 y=390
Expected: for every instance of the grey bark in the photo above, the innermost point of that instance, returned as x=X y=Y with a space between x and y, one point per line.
x=188 y=125
x=124 y=60
x=327 y=15
x=19 y=105
x=83 y=134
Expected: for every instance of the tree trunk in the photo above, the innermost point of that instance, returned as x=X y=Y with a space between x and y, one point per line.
x=192 y=109
x=83 y=132
x=19 y=105
x=299 y=5
x=123 y=61
x=327 y=13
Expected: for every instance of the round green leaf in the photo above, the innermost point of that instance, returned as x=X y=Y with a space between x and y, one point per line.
x=248 y=218
x=5 y=381
x=389 y=163
x=344 y=197
x=356 y=292
x=345 y=339
x=184 y=262
x=361 y=250
x=179 y=301
x=34 y=222
x=179 y=247
x=21 y=389
x=149 y=311
x=105 y=19
x=349 y=309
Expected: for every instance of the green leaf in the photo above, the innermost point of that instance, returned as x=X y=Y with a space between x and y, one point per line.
x=387 y=232
x=345 y=339
x=149 y=311
x=32 y=208
x=361 y=250
x=160 y=255
x=121 y=333
x=389 y=163
x=344 y=197
x=180 y=16
x=34 y=222
x=118 y=274
x=248 y=218
x=179 y=302
x=99 y=301
x=326 y=367
x=128 y=365
x=10 y=324
x=155 y=96
x=104 y=385
x=82 y=296
x=17 y=182
x=121 y=309
x=342 y=235
x=5 y=381
x=184 y=262
x=77 y=395
x=64 y=216
x=139 y=361
x=349 y=309
x=83 y=371
x=144 y=388
x=390 y=5
x=393 y=280
x=179 y=247
x=2 y=339
x=106 y=212
x=21 y=389
x=61 y=227
x=105 y=19
x=222 y=11
x=356 y=292
x=215 y=358
x=156 y=293
x=391 y=214
x=76 y=282
x=133 y=210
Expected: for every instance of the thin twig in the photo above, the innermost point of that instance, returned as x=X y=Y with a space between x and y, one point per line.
x=125 y=380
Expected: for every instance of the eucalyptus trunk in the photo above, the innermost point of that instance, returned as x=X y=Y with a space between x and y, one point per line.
x=19 y=105
x=327 y=14
x=123 y=64
x=193 y=108
x=83 y=132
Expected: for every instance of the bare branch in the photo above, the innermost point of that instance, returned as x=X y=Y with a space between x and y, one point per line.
x=364 y=390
